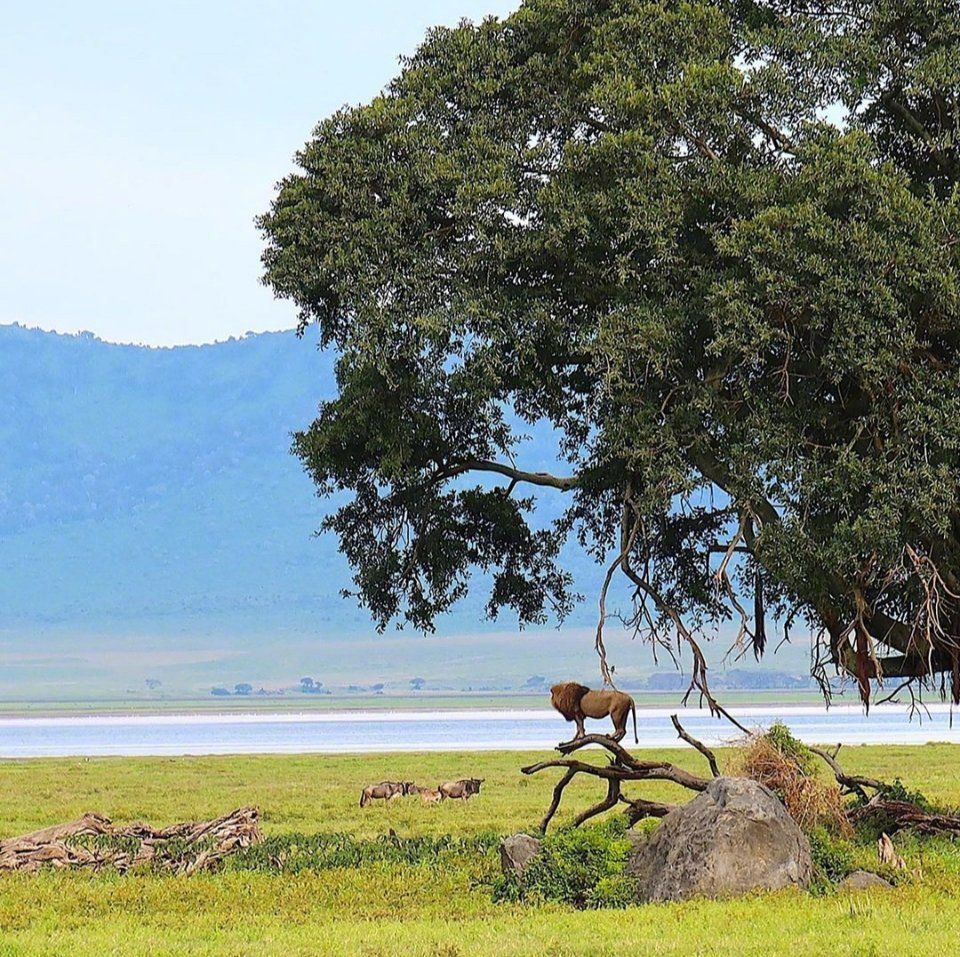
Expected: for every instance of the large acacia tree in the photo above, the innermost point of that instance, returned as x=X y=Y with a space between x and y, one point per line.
x=716 y=245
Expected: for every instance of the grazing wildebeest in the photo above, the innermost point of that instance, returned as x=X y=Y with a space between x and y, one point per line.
x=461 y=790
x=385 y=791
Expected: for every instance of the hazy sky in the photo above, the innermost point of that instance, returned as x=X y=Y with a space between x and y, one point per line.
x=140 y=140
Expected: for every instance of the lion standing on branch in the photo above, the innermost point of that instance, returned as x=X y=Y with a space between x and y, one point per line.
x=576 y=702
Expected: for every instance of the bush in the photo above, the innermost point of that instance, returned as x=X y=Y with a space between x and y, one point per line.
x=792 y=748
x=789 y=768
x=898 y=792
x=583 y=867
x=833 y=857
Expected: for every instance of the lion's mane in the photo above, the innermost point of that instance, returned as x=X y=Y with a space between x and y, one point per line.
x=566 y=697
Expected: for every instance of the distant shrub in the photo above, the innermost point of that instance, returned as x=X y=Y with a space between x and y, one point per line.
x=583 y=867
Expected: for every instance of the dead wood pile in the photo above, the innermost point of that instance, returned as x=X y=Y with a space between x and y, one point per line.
x=94 y=842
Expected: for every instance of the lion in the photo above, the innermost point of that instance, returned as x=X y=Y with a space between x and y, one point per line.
x=577 y=702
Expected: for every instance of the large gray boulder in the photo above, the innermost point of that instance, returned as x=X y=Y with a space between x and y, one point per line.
x=517 y=852
x=732 y=838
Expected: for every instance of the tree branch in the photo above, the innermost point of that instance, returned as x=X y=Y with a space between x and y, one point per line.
x=543 y=479
x=699 y=745
x=851 y=782
x=640 y=808
x=622 y=767
x=897 y=108
x=775 y=135
x=557 y=794
x=611 y=800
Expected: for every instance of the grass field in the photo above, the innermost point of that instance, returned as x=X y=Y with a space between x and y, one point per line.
x=442 y=908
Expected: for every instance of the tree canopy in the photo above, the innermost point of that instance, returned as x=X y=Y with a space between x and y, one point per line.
x=713 y=244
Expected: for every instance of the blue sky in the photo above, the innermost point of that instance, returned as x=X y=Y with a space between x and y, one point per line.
x=140 y=140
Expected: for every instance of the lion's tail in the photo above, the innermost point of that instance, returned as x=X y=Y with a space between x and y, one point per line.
x=633 y=708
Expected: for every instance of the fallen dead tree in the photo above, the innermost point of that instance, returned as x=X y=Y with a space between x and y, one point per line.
x=94 y=842
x=876 y=801
x=904 y=815
x=623 y=767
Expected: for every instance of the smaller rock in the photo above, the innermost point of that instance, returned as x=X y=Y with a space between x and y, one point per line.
x=862 y=881
x=517 y=852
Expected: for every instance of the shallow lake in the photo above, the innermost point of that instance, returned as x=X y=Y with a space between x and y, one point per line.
x=339 y=732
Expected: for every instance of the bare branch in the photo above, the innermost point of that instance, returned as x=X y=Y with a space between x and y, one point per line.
x=557 y=794
x=611 y=800
x=628 y=537
x=543 y=479
x=851 y=782
x=640 y=808
x=622 y=767
x=699 y=745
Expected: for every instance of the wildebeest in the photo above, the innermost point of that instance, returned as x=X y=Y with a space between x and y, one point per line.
x=427 y=795
x=430 y=795
x=385 y=791
x=461 y=790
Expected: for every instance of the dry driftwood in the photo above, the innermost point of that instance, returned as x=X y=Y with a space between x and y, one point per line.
x=623 y=767
x=96 y=843
x=901 y=815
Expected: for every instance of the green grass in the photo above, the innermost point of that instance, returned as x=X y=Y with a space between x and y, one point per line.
x=441 y=907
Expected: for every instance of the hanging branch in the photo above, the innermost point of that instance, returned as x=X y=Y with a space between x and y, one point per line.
x=628 y=537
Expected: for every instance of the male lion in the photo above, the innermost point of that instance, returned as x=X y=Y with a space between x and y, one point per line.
x=576 y=702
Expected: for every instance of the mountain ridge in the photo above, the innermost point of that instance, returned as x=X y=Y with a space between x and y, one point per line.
x=153 y=519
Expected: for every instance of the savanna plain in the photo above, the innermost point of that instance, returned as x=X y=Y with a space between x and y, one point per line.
x=434 y=892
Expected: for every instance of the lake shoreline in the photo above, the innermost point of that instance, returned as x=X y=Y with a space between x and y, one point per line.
x=322 y=704
x=396 y=731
